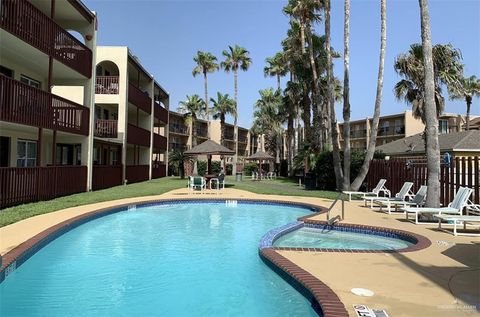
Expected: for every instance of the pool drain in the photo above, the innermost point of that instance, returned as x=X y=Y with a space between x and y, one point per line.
x=362 y=292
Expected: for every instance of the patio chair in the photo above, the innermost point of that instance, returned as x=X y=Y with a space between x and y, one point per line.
x=457 y=221
x=400 y=196
x=380 y=188
x=417 y=201
x=218 y=182
x=454 y=208
x=254 y=176
x=198 y=182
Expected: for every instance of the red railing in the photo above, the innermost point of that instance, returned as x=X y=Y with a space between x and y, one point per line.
x=106 y=85
x=159 y=142
x=137 y=173
x=106 y=176
x=20 y=185
x=24 y=104
x=160 y=113
x=25 y=21
x=464 y=171
x=138 y=136
x=106 y=128
x=158 y=170
x=139 y=98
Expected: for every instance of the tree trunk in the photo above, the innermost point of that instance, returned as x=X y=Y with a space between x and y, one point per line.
x=346 y=99
x=235 y=127
x=306 y=116
x=378 y=102
x=278 y=82
x=337 y=164
x=290 y=137
x=206 y=104
x=432 y=148
x=222 y=129
x=302 y=36
x=469 y=104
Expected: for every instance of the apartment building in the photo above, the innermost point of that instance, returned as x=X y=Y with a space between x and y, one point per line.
x=396 y=126
x=44 y=137
x=130 y=120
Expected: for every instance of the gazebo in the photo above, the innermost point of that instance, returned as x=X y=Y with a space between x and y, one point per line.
x=209 y=148
x=260 y=156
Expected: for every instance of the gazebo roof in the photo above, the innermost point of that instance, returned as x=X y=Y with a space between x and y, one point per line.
x=210 y=147
x=260 y=155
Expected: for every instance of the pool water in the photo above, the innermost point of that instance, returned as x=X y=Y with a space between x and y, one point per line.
x=165 y=260
x=308 y=237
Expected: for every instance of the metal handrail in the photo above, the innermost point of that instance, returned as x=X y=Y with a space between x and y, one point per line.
x=338 y=198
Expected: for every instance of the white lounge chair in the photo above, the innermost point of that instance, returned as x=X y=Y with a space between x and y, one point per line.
x=458 y=203
x=376 y=191
x=404 y=192
x=417 y=201
x=218 y=182
x=457 y=221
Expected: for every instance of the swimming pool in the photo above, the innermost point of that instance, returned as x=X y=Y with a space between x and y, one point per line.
x=188 y=259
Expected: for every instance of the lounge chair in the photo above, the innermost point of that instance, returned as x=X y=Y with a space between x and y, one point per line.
x=399 y=197
x=456 y=221
x=454 y=208
x=218 y=182
x=417 y=201
x=198 y=182
x=376 y=191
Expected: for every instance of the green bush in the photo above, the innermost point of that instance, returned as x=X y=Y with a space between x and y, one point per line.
x=203 y=165
x=249 y=168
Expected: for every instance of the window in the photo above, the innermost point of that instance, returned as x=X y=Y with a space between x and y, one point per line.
x=99 y=70
x=6 y=71
x=64 y=154
x=30 y=81
x=26 y=153
x=443 y=126
x=4 y=151
x=113 y=156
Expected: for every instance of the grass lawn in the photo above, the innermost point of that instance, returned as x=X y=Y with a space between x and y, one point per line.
x=153 y=187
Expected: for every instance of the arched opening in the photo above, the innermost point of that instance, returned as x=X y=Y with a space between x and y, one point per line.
x=107 y=78
x=79 y=36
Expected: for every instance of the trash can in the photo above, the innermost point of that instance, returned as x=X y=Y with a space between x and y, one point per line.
x=310 y=181
x=238 y=176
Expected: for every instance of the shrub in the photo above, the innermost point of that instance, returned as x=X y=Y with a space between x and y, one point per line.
x=249 y=168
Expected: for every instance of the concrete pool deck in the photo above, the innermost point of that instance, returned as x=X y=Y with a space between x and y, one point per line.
x=405 y=284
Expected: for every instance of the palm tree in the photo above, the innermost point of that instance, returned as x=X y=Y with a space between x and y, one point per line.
x=346 y=97
x=236 y=58
x=277 y=66
x=192 y=108
x=221 y=107
x=177 y=159
x=432 y=148
x=206 y=63
x=362 y=173
x=447 y=70
x=469 y=87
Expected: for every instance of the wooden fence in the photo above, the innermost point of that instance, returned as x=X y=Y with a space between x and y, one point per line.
x=464 y=171
x=106 y=176
x=19 y=185
x=137 y=173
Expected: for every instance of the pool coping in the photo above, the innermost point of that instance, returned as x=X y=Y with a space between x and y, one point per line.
x=330 y=303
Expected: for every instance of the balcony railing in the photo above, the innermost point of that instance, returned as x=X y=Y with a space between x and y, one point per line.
x=158 y=170
x=242 y=139
x=229 y=136
x=357 y=134
x=20 y=185
x=177 y=147
x=202 y=133
x=178 y=129
x=139 y=98
x=137 y=173
x=160 y=113
x=391 y=131
x=159 y=142
x=25 y=21
x=106 y=85
x=138 y=136
x=106 y=176
x=106 y=128
x=20 y=103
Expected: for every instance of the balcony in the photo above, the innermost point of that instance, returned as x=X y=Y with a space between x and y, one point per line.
x=242 y=139
x=175 y=128
x=138 y=136
x=177 y=147
x=229 y=136
x=26 y=22
x=158 y=170
x=106 y=128
x=202 y=133
x=106 y=85
x=160 y=113
x=391 y=131
x=106 y=176
x=137 y=173
x=20 y=185
x=23 y=104
x=139 y=98
x=159 y=142
x=358 y=134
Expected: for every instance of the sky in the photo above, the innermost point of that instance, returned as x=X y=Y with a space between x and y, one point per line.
x=165 y=36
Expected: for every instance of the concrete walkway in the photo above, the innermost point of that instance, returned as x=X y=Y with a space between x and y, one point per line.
x=417 y=283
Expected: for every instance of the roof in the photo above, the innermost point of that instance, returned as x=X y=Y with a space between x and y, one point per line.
x=456 y=141
x=210 y=147
x=260 y=155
